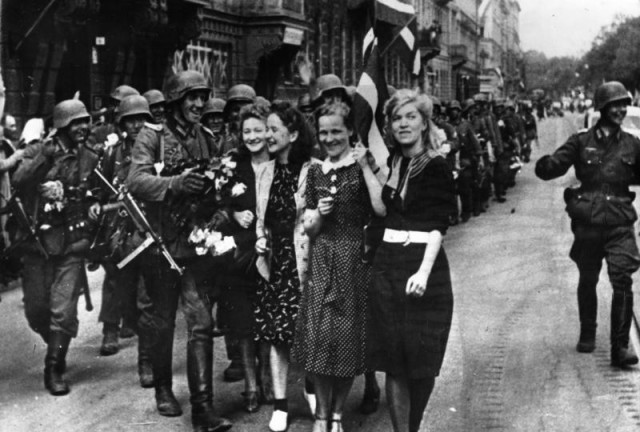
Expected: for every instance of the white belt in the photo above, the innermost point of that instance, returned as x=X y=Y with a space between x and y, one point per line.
x=406 y=237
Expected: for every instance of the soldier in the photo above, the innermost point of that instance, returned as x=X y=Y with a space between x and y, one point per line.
x=329 y=88
x=102 y=130
x=470 y=157
x=606 y=160
x=239 y=95
x=122 y=291
x=530 y=130
x=503 y=178
x=156 y=105
x=156 y=149
x=52 y=182
x=213 y=119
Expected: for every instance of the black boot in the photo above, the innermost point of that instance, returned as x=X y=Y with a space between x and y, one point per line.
x=588 y=311
x=145 y=367
x=109 y=340
x=162 y=351
x=621 y=318
x=200 y=378
x=54 y=363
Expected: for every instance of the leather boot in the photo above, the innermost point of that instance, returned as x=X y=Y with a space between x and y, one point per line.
x=145 y=367
x=621 y=318
x=200 y=378
x=54 y=363
x=588 y=311
x=109 y=340
x=162 y=351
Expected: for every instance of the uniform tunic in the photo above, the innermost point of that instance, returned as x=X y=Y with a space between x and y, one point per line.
x=331 y=335
x=408 y=335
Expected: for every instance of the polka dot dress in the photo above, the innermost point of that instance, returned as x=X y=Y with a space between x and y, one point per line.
x=330 y=334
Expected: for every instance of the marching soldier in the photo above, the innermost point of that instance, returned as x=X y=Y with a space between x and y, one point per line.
x=156 y=105
x=530 y=130
x=123 y=293
x=470 y=156
x=213 y=119
x=239 y=95
x=157 y=148
x=52 y=182
x=606 y=160
x=508 y=132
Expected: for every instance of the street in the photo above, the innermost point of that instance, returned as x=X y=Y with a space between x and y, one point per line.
x=511 y=363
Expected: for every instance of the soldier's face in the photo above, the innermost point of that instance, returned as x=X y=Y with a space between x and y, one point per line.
x=10 y=128
x=157 y=111
x=615 y=112
x=192 y=105
x=214 y=122
x=78 y=131
x=454 y=114
x=132 y=125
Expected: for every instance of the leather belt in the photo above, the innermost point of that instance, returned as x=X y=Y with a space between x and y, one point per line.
x=405 y=237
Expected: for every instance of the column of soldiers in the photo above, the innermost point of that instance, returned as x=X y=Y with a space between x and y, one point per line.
x=69 y=190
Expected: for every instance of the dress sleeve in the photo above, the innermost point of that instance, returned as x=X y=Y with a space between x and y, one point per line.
x=312 y=192
x=439 y=199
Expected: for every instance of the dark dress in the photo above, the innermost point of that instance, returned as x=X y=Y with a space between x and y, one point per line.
x=408 y=335
x=240 y=278
x=277 y=300
x=330 y=338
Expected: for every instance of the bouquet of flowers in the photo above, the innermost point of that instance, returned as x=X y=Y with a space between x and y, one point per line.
x=52 y=193
x=203 y=213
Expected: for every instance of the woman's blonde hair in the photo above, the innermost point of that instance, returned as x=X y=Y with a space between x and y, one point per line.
x=424 y=105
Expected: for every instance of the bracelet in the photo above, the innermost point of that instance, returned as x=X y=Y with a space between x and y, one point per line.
x=261 y=237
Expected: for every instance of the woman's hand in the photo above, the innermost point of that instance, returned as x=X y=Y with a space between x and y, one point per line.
x=261 y=246
x=325 y=205
x=94 y=211
x=244 y=218
x=417 y=283
x=361 y=154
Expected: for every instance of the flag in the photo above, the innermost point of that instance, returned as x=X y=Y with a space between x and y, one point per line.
x=405 y=44
x=368 y=104
x=394 y=12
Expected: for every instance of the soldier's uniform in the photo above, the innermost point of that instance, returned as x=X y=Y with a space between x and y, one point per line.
x=169 y=145
x=530 y=132
x=508 y=131
x=602 y=217
x=52 y=286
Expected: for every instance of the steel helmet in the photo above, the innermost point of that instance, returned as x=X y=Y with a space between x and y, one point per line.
x=454 y=104
x=213 y=106
x=468 y=104
x=133 y=105
x=178 y=85
x=241 y=93
x=435 y=101
x=510 y=104
x=123 y=91
x=481 y=97
x=500 y=102
x=67 y=111
x=329 y=82
x=608 y=92
x=154 y=96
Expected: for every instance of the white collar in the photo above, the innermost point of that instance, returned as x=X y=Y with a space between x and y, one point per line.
x=327 y=165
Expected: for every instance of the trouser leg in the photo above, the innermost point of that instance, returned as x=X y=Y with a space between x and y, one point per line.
x=36 y=286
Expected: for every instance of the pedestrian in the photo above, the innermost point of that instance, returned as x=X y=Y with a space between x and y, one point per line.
x=157 y=104
x=241 y=277
x=606 y=160
x=411 y=300
x=158 y=150
x=123 y=294
x=330 y=341
x=282 y=244
x=52 y=182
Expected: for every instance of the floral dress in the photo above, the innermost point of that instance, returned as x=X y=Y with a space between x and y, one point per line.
x=277 y=300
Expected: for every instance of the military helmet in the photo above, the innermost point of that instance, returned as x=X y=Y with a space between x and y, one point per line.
x=329 y=82
x=510 y=104
x=133 y=105
x=213 y=106
x=435 y=101
x=178 y=85
x=608 y=92
x=123 y=91
x=154 y=96
x=241 y=93
x=468 y=104
x=454 y=104
x=481 y=97
x=67 y=111
x=499 y=102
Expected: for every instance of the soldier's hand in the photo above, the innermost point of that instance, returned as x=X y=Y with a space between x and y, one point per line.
x=244 y=218
x=94 y=211
x=49 y=149
x=187 y=182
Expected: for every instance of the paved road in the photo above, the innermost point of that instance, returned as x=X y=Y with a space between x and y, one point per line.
x=510 y=364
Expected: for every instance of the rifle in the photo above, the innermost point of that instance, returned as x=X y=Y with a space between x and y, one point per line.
x=142 y=224
x=15 y=207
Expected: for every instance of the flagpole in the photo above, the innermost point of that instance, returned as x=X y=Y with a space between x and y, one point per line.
x=395 y=38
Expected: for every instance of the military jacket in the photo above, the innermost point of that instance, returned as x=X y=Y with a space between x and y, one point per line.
x=470 y=148
x=165 y=144
x=605 y=166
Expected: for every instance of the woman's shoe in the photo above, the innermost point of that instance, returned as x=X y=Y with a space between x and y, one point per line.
x=336 y=424
x=320 y=425
x=370 y=400
x=278 y=421
x=251 y=403
x=311 y=400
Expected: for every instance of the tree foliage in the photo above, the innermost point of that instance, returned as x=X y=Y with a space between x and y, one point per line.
x=553 y=75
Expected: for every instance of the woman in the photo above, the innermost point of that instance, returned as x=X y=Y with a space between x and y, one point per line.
x=411 y=300
x=281 y=243
x=330 y=339
x=240 y=285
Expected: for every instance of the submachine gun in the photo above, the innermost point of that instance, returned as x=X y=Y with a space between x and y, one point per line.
x=127 y=202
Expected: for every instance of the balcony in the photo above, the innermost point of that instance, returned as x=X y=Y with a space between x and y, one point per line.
x=458 y=55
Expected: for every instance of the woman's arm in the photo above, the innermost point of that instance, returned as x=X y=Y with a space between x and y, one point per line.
x=374 y=186
x=417 y=283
